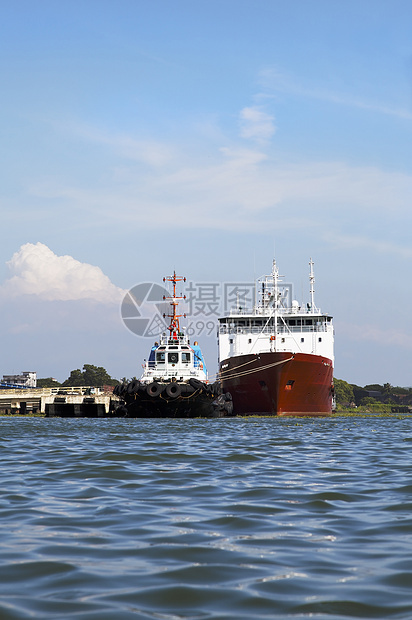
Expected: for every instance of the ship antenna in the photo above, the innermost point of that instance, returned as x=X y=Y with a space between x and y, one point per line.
x=174 y=326
x=275 y=275
x=312 y=286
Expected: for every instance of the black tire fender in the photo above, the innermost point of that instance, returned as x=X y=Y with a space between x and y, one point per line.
x=195 y=383
x=173 y=390
x=154 y=389
x=132 y=387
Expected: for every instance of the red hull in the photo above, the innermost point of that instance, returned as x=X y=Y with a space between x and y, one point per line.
x=279 y=384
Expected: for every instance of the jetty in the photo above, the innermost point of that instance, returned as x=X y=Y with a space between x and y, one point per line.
x=81 y=402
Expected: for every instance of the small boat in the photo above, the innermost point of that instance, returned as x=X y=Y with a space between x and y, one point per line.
x=175 y=382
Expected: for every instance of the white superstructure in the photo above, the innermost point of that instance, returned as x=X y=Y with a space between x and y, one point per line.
x=174 y=359
x=276 y=323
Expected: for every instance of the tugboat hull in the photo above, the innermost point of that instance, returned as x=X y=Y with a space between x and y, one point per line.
x=190 y=399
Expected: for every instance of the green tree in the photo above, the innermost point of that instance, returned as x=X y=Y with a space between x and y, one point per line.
x=359 y=393
x=374 y=387
x=343 y=392
x=368 y=400
x=48 y=382
x=75 y=379
x=387 y=389
x=92 y=376
x=96 y=375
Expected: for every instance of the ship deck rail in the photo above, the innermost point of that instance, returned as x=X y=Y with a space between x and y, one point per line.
x=281 y=329
x=267 y=311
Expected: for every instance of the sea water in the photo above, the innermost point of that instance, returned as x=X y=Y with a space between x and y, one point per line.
x=206 y=519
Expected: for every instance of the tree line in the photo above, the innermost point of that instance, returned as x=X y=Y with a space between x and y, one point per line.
x=95 y=376
x=346 y=394
x=350 y=394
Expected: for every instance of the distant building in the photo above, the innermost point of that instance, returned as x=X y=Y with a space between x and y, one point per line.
x=374 y=394
x=25 y=379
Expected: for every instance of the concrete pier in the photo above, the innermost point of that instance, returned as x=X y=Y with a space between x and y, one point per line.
x=62 y=402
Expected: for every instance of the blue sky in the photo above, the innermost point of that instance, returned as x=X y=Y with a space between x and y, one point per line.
x=205 y=137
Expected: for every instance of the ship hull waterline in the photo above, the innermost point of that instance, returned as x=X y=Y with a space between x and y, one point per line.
x=279 y=383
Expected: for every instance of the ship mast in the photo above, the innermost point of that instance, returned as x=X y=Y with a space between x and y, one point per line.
x=312 y=286
x=275 y=276
x=174 y=326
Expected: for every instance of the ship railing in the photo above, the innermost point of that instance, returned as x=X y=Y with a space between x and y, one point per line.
x=256 y=330
x=265 y=311
x=168 y=373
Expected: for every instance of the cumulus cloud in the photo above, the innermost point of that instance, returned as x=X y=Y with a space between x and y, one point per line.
x=256 y=124
x=36 y=270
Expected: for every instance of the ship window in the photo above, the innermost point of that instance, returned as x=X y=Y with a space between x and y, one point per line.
x=231 y=340
x=160 y=358
x=186 y=358
x=173 y=347
x=283 y=340
x=250 y=341
x=319 y=339
x=308 y=321
x=172 y=358
x=302 y=340
x=292 y=322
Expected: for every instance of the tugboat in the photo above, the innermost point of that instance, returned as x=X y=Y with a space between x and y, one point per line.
x=174 y=383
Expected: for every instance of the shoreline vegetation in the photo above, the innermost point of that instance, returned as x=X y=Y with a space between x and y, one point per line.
x=373 y=400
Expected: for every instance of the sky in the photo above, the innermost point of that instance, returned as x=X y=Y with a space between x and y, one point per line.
x=207 y=137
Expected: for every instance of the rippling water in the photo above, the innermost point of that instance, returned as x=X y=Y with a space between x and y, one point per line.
x=205 y=519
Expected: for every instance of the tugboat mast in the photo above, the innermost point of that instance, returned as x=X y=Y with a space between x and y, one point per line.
x=174 y=326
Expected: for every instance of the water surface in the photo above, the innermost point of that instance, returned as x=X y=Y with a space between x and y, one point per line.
x=205 y=519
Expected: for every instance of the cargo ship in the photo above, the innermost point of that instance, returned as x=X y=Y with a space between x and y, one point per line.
x=277 y=358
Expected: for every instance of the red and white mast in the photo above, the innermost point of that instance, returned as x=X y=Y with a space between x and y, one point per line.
x=174 y=326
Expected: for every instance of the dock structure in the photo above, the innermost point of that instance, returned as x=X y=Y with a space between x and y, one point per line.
x=82 y=402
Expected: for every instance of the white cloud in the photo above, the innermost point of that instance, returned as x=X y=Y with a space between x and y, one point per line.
x=150 y=151
x=373 y=333
x=350 y=242
x=36 y=270
x=275 y=81
x=256 y=124
x=248 y=189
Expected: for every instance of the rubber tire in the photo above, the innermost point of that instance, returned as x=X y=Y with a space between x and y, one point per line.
x=154 y=389
x=122 y=389
x=195 y=383
x=132 y=387
x=173 y=390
